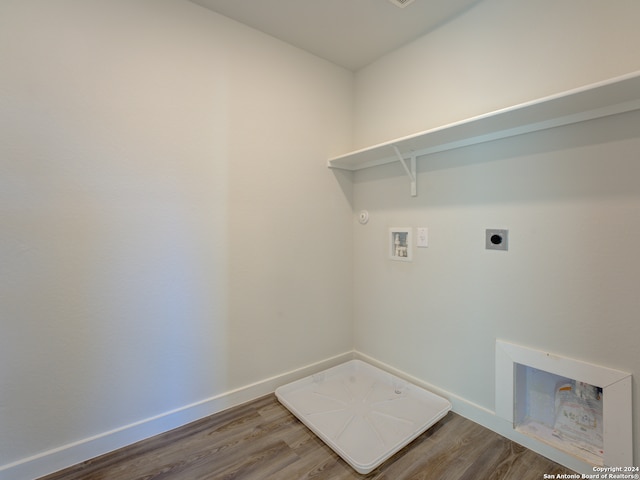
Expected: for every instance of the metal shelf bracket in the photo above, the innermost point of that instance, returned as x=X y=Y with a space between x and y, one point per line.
x=409 y=169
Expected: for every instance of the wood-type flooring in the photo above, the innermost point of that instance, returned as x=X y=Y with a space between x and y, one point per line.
x=261 y=440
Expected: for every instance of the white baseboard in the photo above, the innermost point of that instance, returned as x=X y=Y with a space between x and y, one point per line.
x=73 y=453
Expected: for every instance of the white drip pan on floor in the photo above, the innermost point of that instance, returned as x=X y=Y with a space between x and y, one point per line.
x=363 y=413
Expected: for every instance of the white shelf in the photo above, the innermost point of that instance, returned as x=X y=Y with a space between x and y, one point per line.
x=616 y=95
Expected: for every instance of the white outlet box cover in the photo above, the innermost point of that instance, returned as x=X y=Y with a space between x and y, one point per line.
x=423 y=237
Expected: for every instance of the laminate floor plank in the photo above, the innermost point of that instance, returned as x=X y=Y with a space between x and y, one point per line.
x=262 y=440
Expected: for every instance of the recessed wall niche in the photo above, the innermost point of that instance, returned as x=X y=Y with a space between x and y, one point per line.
x=579 y=408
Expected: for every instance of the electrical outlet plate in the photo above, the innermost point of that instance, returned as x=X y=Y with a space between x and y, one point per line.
x=496 y=239
x=422 y=240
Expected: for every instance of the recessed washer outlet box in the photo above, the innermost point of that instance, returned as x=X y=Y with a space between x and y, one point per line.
x=496 y=239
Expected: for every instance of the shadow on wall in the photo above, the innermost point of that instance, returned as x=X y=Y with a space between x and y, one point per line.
x=345 y=179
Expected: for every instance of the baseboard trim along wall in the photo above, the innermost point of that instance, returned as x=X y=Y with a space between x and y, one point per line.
x=73 y=453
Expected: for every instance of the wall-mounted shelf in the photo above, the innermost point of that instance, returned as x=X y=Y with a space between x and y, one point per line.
x=616 y=95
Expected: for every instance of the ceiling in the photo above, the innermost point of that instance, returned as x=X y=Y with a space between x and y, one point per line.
x=350 y=33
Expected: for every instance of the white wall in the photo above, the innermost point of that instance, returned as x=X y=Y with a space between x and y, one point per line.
x=170 y=231
x=497 y=54
x=569 y=196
